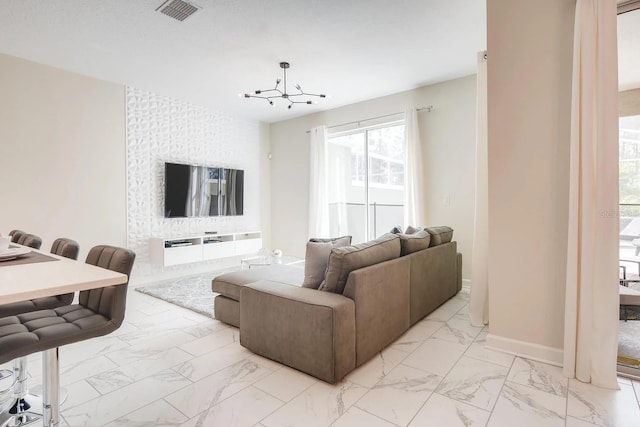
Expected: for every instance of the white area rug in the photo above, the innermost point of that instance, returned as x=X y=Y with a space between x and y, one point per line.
x=191 y=292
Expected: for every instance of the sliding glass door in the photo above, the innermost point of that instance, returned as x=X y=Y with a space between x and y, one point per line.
x=366 y=181
x=629 y=169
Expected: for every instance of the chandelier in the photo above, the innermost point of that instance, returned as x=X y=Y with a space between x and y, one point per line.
x=300 y=97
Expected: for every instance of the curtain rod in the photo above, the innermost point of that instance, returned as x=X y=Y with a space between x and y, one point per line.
x=628 y=6
x=357 y=122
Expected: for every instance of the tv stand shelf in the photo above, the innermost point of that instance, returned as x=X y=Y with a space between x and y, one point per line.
x=168 y=251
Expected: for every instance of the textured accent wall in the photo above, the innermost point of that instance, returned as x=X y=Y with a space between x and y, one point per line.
x=161 y=129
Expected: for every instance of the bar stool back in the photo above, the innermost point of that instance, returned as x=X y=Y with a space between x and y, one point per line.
x=30 y=240
x=15 y=235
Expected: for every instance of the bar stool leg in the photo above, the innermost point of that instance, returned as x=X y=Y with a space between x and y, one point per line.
x=50 y=388
x=25 y=401
x=20 y=414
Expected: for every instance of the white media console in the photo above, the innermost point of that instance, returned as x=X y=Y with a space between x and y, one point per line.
x=167 y=251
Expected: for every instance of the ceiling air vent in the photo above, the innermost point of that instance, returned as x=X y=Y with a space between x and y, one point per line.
x=178 y=9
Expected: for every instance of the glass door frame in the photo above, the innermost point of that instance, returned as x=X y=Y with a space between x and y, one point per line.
x=365 y=130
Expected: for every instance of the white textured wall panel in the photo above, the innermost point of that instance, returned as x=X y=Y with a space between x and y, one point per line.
x=161 y=129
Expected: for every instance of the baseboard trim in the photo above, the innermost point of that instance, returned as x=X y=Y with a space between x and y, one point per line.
x=540 y=353
x=466 y=283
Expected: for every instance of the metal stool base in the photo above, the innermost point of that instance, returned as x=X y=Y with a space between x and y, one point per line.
x=23 y=419
x=29 y=403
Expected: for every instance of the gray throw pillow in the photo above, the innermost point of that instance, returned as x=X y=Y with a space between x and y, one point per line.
x=316 y=259
x=410 y=243
x=440 y=235
x=343 y=261
x=337 y=241
x=412 y=230
x=396 y=230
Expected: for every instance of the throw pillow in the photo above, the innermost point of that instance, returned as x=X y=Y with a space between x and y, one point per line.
x=317 y=257
x=337 y=241
x=440 y=235
x=344 y=260
x=412 y=230
x=396 y=230
x=415 y=242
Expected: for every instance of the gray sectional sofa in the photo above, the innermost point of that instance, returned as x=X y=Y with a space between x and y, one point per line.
x=328 y=334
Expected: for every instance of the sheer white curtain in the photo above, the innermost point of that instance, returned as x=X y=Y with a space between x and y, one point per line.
x=318 y=183
x=413 y=171
x=479 y=303
x=591 y=310
x=339 y=179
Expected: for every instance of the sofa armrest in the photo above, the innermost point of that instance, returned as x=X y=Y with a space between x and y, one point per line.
x=434 y=278
x=309 y=330
x=381 y=293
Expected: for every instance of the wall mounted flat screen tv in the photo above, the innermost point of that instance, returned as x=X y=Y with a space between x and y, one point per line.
x=198 y=191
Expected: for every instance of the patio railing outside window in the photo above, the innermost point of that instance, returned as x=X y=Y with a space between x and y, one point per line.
x=383 y=217
x=629 y=229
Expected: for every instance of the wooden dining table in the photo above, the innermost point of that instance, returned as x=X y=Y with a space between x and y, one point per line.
x=51 y=275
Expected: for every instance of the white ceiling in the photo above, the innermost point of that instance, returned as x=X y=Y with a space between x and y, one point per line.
x=350 y=49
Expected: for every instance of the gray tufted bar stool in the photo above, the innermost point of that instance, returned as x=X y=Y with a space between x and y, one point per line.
x=24 y=402
x=99 y=312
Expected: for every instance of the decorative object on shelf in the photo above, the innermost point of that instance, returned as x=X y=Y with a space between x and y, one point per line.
x=264 y=253
x=293 y=98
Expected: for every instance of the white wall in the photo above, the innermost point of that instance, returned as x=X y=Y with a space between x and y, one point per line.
x=162 y=129
x=529 y=103
x=448 y=138
x=62 y=155
x=81 y=159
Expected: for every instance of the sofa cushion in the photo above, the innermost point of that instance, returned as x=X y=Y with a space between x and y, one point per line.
x=440 y=235
x=344 y=260
x=229 y=284
x=410 y=243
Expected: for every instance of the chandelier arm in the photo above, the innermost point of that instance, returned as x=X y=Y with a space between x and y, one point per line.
x=268 y=98
x=321 y=95
x=271 y=90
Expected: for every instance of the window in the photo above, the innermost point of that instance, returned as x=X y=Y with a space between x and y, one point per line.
x=366 y=181
x=629 y=155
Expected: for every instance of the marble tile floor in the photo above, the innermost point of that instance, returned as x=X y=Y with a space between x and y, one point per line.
x=168 y=366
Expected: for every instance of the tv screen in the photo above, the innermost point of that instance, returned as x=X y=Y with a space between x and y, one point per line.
x=197 y=191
